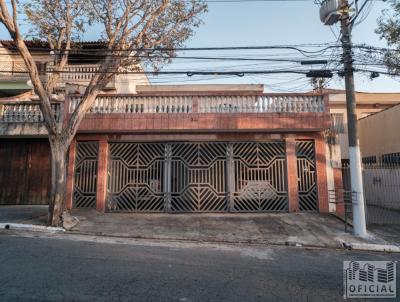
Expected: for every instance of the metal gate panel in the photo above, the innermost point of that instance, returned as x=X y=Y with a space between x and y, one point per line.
x=85 y=180
x=259 y=177
x=198 y=181
x=308 y=198
x=135 y=177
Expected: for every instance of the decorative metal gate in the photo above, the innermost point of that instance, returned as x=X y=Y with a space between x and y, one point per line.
x=308 y=199
x=198 y=177
x=259 y=177
x=85 y=180
x=136 y=177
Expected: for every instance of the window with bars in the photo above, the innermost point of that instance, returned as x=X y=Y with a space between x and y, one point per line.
x=369 y=160
x=337 y=122
x=391 y=159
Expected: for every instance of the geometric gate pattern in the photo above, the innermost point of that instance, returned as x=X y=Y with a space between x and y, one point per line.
x=260 y=177
x=135 y=177
x=307 y=186
x=85 y=180
x=198 y=177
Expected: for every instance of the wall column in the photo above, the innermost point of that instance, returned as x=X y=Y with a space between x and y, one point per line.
x=322 y=181
x=291 y=166
x=101 y=192
x=69 y=194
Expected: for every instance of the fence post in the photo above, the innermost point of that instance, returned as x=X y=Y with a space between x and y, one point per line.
x=292 y=177
x=229 y=177
x=167 y=178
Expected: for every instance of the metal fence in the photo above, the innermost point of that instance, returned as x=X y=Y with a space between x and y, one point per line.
x=381 y=192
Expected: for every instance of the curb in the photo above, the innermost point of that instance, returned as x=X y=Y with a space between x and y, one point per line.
x=338 y=245
x=372 y=247
x=31 y=228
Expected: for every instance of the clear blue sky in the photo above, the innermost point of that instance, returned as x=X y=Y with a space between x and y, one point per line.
x=269 y=23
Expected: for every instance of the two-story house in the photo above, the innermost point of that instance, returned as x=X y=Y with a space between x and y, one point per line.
x=190 y=148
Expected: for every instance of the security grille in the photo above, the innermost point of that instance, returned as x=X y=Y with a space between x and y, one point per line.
x=198 y=177
x=308 y=200
x=136 y=173
x=259 y=177
x=85 y=175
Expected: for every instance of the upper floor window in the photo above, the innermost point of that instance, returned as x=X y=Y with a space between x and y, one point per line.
x=337 y=122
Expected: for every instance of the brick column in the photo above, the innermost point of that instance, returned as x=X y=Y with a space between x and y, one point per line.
x=70 y=176
x=291 y=166
x=322 y=181
x=101 y=192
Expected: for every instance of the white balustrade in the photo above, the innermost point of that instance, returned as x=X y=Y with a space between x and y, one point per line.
x=138 y=104
x=25 y=113
x=206 y=104
x=76 y=73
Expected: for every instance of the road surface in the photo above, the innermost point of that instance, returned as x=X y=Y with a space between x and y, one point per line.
x=54 y=269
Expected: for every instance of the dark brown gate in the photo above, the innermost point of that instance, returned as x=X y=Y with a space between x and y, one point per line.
x=25 y=172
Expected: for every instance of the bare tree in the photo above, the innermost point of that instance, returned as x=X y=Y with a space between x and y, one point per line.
x=134 y=32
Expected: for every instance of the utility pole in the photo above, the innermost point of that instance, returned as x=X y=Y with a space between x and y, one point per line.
x=354 y=148
x=352 y=129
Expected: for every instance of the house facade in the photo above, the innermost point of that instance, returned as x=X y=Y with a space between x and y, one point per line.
x=174 y=149
x=185 y=149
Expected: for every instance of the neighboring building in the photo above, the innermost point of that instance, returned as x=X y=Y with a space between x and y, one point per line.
x=15 y=80
x=366 y=104
x=196 y=148
x=380 y=137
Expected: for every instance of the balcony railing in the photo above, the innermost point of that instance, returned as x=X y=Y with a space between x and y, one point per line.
x=136 y=104
x=25 y=112
x=79 y=74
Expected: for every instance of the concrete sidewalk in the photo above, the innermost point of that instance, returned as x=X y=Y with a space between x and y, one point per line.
x=23 y=214
x=306 y=229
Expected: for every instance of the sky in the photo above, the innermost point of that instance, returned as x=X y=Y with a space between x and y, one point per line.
x=266 y=23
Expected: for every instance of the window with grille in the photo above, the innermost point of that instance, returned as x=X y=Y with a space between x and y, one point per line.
x=391 y=159
x=369 y=160
x=337 y=122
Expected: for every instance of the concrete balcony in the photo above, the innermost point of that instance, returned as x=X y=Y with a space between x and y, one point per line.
x=205 y=113
x=78 y=74
x=72 y=74
x=24 y=118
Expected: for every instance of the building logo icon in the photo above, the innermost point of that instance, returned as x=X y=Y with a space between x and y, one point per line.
x=369 y=279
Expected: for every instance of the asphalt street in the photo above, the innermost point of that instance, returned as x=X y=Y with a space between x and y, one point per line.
x=54 y=269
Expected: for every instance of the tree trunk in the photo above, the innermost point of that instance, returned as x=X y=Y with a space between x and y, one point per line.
x=58 y=181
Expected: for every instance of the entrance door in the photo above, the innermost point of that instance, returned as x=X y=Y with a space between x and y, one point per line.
x=85 y=184
x=308 y=199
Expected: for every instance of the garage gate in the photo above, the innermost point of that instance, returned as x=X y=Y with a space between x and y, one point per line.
x=197 y=177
